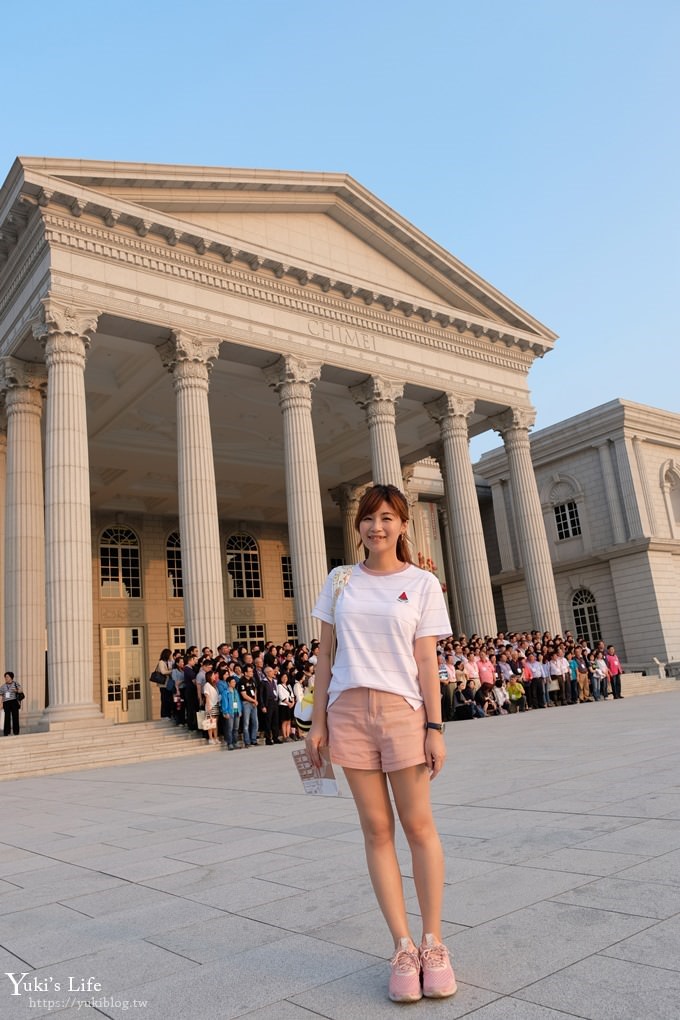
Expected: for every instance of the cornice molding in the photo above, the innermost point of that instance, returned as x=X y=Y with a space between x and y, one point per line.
x=206 y=270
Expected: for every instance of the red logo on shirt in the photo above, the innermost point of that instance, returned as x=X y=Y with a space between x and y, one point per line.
x=403 y=597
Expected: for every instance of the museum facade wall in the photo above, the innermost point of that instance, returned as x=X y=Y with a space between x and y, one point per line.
x=609 y=484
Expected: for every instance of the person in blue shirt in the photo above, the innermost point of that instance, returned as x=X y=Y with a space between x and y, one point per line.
x=231 y=708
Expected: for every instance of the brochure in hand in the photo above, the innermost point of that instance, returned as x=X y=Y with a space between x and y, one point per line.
x=320 y=782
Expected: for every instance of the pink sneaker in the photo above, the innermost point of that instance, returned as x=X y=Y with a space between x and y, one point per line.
x=405 y=976
x=439 y=981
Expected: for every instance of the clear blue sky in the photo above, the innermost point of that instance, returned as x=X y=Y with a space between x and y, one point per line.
x=538 y=140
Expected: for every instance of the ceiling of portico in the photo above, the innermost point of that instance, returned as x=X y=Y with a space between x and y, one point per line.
x=132 y=432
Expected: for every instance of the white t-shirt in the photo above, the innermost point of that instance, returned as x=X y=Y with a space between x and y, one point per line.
x=377 y=620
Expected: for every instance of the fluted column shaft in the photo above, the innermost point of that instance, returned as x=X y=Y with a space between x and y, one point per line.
x=347 y=497
x=531 y=537
x=473 y=582
x=449 y=571
x=502 y=529
x=66 y=336
x=190 y=359
x=378 y=397
x=293 y=381
x=25 y=533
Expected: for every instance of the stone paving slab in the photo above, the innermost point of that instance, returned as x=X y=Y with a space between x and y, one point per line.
x=590 y=988
x=658 y=946
x=561 y=832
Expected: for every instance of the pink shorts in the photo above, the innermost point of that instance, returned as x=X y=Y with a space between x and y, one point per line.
x=369 y=729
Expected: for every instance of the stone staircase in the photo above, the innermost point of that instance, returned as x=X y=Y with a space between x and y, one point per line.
x=633 y=684
x=88 y=744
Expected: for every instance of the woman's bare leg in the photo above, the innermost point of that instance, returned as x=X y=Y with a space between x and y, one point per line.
x=369 y=789
x=411 y=789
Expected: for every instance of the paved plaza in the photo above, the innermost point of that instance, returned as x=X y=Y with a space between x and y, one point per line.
x=210 y=886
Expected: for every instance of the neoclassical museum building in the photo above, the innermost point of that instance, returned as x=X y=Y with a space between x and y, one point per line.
x=201 y=368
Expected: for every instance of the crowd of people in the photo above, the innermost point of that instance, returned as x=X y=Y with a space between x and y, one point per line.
x=520 y=672
x=255 y=694
x=239 y=696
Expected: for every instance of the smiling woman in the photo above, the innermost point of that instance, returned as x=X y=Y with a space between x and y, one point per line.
x=385 y=723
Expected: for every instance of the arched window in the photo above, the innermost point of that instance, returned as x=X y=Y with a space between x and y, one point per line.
x=674 y=494
x=173 y=560
x=243 y=567
x=586 y=620
x=560 y=499
x=119 y=563
x=670 y=487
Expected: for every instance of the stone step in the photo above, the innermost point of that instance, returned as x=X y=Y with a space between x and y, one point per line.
x=634 y=684
x=57 y=765
x=73 y=748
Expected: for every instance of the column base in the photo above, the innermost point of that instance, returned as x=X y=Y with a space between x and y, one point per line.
x=86 y=712
x=33 y=722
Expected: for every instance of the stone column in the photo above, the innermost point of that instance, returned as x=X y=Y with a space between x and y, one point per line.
x=408 y=488
x=377 y=397
x=347 y=498
x=502 y=528
x=3 y=490
x=473 y=582
x=24 y=654
x=190 y=358
x=293 y=380
x=611 y=492
x=532 y=540
x=449 y=572
x=66 y=333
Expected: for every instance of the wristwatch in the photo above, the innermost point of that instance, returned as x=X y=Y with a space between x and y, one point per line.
x=435 y=726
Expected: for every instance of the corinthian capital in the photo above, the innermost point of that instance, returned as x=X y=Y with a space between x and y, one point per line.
x=16 y=374
x=449 y=407
x=65 y=319
x=189 y=358
x=348 y=496
x=289 y=370
x=377 y=391
x=514 y=421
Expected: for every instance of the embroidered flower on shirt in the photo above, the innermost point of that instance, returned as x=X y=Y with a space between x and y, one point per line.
x=403 y=597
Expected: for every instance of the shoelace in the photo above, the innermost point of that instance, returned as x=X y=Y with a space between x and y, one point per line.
x=435 y=956
x=405 y=960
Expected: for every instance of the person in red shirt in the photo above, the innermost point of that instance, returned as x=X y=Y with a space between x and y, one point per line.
x=486 y=670
x=615 y=671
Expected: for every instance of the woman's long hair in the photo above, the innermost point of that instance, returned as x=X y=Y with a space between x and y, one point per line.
x=369 y=503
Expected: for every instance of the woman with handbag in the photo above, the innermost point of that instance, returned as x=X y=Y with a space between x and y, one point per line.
x=12 y=696
x=212 y=705
x=380 y=715
x=286 y=699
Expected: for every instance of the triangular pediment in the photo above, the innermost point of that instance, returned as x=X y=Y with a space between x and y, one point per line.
x=325 y=224
x=317 y=240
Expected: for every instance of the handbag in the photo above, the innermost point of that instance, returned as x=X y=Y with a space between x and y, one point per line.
x=200 y=719
x=19 y=694
x=157 y=678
